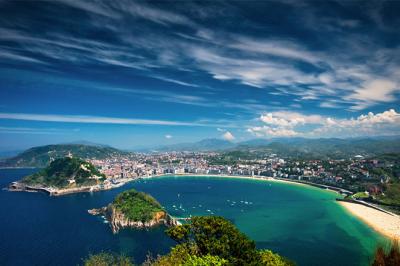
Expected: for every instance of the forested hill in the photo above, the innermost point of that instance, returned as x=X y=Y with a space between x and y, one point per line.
x=66 y=173
x=41 y=156
x=323 y=148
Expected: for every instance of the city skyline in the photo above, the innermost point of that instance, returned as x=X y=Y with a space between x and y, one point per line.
x=131 y=73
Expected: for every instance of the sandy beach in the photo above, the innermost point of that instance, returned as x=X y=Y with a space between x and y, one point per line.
x=384 y=223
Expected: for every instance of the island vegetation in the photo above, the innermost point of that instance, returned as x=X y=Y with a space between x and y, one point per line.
x=66 y=173
x=137 y=206
x=135 y=209
x=205 y=240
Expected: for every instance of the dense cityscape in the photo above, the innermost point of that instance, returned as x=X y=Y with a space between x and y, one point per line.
x=355 y=174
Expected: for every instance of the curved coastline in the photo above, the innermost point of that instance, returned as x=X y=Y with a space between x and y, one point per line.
x=387 y=225
x=256 y=178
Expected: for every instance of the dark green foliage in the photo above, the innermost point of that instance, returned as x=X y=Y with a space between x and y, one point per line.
x=137 y=206
x=390 y=258
x=60 y=170
x=217 y=237
x=41 y=156
x=267 y=257
x=186 y=255
x=391 y=194
x=206 y=241
x=107 y=259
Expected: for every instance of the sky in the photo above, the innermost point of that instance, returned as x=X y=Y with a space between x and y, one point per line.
x=147 y=73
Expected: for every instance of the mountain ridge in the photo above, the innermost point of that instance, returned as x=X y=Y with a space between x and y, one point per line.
x=42 y=155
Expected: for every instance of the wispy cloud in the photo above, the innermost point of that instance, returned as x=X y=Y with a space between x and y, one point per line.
x=175 y=81
x=35 y=131
x=161 y=39
x=101 y=120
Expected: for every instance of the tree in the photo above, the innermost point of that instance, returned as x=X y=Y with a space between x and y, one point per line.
x=216 y=236
x=390 y=258
x=107 y=259
x=205 y=241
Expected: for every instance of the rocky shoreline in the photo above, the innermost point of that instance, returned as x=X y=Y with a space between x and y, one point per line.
x=118 y=221
x=19 y=186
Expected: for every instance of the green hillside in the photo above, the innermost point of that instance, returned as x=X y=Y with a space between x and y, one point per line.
x=41 y=156
x=62 y=171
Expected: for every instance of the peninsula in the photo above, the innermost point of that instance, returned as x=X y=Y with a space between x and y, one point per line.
x=63 y=176
x=133 y=209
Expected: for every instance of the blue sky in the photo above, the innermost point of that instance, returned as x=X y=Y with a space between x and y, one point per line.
x=146 y=73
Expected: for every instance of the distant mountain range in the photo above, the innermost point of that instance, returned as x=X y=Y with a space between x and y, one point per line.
x=325 y=148
x=202 y=145
x=333 y=148
x=289 y=147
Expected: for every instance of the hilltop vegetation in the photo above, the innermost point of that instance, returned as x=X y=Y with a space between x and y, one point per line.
x=215 y=238
x=60 y=171
x=137 y=206
x=41 y=156
x=205 y=241
x=107 y=259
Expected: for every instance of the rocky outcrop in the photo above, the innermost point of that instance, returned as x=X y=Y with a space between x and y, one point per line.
x=117 y=219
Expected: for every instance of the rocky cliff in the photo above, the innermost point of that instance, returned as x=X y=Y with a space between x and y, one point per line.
x=118 y=220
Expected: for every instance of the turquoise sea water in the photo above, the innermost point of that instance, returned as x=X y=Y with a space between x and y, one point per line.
x=301 y=222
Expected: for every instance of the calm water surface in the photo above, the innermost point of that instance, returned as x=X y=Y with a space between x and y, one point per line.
x=302 y=223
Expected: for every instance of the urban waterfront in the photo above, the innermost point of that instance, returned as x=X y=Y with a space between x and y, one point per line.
x=300 y=222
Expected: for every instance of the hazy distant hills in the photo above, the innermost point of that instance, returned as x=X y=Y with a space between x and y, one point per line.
x=202 y=145
x=326 y=148
x=41 y=156
x=298 y=147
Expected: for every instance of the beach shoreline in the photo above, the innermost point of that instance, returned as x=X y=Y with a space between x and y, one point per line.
x=386 y=224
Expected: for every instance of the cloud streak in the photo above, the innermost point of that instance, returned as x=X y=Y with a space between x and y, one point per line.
x=100 y=120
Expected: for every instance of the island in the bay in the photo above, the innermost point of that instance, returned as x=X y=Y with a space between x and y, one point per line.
x=63 y=176
x=134 y=209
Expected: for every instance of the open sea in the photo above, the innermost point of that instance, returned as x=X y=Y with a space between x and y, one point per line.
x=302 y=223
